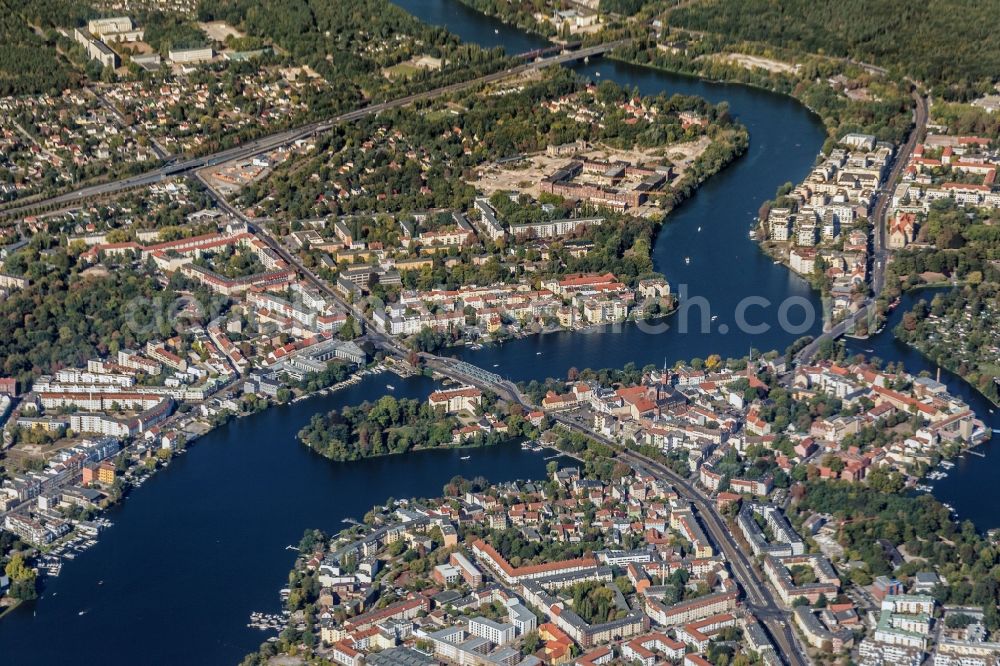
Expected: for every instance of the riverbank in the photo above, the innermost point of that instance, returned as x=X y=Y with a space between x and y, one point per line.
x=681 y=52
x=848 y=113
x=10 y=608
x=953 y=330
x=450 y=419
x=219 y=516
x=223 y=514
x=840 y=112
x=143 y=459
x=960 y=488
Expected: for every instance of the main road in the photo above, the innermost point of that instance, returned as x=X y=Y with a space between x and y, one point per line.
x=759 y=596
x=880 y=254
x=290 y=136
x=760 y=600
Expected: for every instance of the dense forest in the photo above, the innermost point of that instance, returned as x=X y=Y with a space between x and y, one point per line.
x=952 y=45
x=520 y=13
x=67 y=315
x=349 y=43
x=28 y=61
x=624 y=7
x=887 y=116
x=957 y=330
x=965 y=119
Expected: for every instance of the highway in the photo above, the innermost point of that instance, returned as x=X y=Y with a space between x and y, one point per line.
x=759 y=598
x=288 y=137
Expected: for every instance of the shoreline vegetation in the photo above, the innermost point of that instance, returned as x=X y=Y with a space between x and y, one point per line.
x=391 y=426
x=814 y=80
x=518 y=127
x=953 y=331
x=848 y=97
x=314 y=384
x=868 y=514
x=887 y=119
x=729 y=140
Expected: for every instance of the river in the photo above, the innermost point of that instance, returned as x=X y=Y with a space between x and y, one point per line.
x=704 y=249
x=726 y=267
x=966 y=486
x=202 y=544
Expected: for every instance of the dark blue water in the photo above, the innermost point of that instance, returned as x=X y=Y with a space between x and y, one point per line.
x=202 y=544
x=967 y=486
x=471 y=26
x=725 y=267
x=704 y=249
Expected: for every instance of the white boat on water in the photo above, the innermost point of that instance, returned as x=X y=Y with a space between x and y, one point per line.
x=390 y=387
x=699 y=228
x=465 y=457
x=687 y=260
x=496 y=31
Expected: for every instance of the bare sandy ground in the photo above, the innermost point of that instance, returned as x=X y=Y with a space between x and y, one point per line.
x=525 y=175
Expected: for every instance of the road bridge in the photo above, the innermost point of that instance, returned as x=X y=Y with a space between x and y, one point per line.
x=880 y=253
